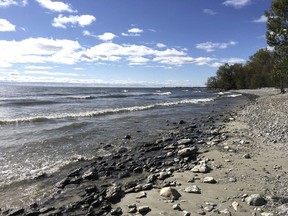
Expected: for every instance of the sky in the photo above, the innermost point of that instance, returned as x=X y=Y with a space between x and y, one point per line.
x=127 y=42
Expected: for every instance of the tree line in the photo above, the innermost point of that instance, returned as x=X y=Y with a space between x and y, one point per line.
x=266 y=68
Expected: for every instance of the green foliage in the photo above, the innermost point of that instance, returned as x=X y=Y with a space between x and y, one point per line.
x=277 y=37
x=256 y=73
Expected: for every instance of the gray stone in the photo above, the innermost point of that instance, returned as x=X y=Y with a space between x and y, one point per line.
x=184 y=141
x=255 y=200
x=141 y=195
x=114 y=193
x=187 y=152
x=209 y=180
x=169 y=192
x=202 y=168
x=144 y=209
x=193 y=189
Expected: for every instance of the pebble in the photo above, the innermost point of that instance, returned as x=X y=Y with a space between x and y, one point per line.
x=209 y=180
x=193 y=189
x=144 y=209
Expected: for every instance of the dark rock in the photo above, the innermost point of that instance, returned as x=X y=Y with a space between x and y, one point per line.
x=91 y=174
x=182 y=122
x=187 y=152
x=117 y=211
x=127 y=137
x=75 y=172
x=76 y=180
x=46 y=210
x=138 y=170
x=255 y=200
x=17 y=212
x=124 y=174
x=114 y=193
x=144 y=209
x=122 y=150
x=92 y=189
x=36 y=213
x=61 y=184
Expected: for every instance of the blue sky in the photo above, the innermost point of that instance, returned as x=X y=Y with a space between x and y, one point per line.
x=127 y=42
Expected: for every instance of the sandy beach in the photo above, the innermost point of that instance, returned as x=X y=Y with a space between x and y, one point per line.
x=249 y=161
x=229 y=164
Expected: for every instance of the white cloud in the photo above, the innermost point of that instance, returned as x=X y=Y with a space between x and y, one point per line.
x=160 y=45
x=40 y=50
x=210 y=46
x=83 y=20
x=35 y=67
x=232 y=60
x=5 y=26
x=107 y=36
x=133 y=32
x=236 y=3
x=262 y=19
x=49 y=73
x=209 y=12
x=56 y=6
x=7 y=3
x=36 y=53
x=137 y=60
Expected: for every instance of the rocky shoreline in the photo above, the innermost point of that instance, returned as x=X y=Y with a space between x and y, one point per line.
x=215 y=165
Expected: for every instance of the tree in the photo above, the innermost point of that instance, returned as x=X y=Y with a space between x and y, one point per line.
x=277 y=37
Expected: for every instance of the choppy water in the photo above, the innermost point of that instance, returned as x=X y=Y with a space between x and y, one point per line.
x=44 y=128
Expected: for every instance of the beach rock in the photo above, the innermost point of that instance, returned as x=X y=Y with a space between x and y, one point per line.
x=144 y=209
x=193 y=189
x=91 y=174
x=163 y=175
x=169 y=192
x=61 y=184
x=186 y=213
x=75 y=172
x=114 y=193
x=247 y=156
x=117 y=211
x=127 y=136
x=141 y=195
x=184 y=141
x=255 y=200
x=209 y=180
x=151 y=178
x=226 y=212
x=17 y=212
x=177 y=207
x=132 y=208
x=187 y=152
x=147 y=186
x=201 y=168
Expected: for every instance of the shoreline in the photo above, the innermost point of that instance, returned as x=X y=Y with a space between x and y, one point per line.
x=215 y=144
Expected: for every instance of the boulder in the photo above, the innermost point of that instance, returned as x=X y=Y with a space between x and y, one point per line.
x=187 y=152
x=114 y=193
x=255 y=200
x=169 y=192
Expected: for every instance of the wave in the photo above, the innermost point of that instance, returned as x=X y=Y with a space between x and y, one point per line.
x=29 y=102
x=163 y=93
x=95 y=113
x=81 y=97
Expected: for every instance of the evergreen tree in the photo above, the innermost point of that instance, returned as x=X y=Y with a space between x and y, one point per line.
x=277 y=37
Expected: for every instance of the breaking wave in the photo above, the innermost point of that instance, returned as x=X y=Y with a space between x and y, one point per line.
x=89 y=114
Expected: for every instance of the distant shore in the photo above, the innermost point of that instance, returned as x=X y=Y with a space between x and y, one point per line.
x=215 y=165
